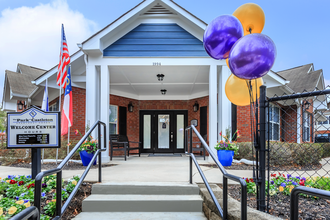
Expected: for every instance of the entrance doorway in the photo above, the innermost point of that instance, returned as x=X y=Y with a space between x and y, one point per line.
x=162 y=131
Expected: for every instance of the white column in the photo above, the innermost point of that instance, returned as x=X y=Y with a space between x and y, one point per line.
x=104 y=106
x=224 y=105
x=213 y=108
x=91 y=87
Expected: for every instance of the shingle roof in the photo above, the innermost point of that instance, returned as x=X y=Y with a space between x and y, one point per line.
x=31 y=71
x=300 y=79
x=20 y=83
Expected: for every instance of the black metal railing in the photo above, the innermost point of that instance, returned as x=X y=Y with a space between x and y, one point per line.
x=294 y=209
x=31 y=212
x=223 y=212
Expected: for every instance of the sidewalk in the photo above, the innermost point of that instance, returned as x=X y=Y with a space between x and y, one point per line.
x=153 y=169
x=143 y=169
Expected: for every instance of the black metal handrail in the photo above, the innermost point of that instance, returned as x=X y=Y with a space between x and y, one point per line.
x=223 y=212
x=306 y=190
x=38 y=180
x=30 y=212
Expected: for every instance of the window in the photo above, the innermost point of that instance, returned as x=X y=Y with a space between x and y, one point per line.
x=324 y=122
x=113 y=119
x=274 y=123
x=306 y=126
x=54 y=107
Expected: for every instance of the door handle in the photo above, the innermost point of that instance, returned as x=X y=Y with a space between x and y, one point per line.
x=171 y=137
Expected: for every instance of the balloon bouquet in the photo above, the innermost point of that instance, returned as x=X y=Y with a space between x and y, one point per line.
x=248 y=53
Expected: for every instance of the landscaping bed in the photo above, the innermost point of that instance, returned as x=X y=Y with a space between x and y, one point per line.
x=49 y=166
x=280 y=188
x=17 y=193
x=243 y=166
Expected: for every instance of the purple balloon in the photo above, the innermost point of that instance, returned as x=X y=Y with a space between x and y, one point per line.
x=221 y=34
x=252 y=56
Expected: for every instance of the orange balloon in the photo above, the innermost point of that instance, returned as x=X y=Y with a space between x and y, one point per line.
x=237 y=90
x=227 y=60
x=251 y=16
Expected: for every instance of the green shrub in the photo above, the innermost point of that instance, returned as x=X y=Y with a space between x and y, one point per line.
x=306 y=153
x=283 y=153
x=244 y=151
x=326 y=150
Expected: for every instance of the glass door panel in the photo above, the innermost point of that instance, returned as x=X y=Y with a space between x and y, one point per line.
x=146 y=131
x=180 y=131
x=163 y=131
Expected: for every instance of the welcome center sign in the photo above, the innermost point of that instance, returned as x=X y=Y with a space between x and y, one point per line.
x=33 y=128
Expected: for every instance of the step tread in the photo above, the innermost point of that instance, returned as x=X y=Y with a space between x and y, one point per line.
x=114 y=197
x=146 y=184
x=141 y=215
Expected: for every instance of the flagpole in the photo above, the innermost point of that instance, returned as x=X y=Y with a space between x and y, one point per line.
x=60 y=102
x=68 y=147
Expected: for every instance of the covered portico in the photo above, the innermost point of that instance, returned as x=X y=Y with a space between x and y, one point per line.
x=119 y=64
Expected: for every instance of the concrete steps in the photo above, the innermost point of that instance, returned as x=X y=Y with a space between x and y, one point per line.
x=143 y=201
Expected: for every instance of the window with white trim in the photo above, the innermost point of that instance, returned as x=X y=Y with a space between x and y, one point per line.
x=274 y=123
x=306 y=126
x=54 y=107
x=113 y=119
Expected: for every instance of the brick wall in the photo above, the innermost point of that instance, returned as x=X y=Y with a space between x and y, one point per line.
x=79 y=112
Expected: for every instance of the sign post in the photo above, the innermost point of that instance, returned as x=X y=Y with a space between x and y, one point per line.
x=34 y=128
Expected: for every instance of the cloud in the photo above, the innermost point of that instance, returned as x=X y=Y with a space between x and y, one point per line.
x=32 y=35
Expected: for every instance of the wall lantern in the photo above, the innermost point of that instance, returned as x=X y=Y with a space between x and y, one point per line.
x=20 y=105
x=196 y=107
x=307 y=104
x=163 y=91
x=160 y=77
x=130 y=107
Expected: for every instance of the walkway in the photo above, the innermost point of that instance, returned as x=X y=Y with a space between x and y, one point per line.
x=143 y=169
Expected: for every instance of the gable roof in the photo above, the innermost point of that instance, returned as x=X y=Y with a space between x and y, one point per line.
x=302 y=78
x=20 y=82
x=31 y=71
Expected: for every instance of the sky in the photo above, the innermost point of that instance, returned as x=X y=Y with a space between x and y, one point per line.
x=30 y=30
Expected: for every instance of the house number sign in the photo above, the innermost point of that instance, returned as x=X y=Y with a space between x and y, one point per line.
x=33 y=128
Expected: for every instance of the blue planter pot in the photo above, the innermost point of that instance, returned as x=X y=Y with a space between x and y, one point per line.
x=225 y=157
x=86 y=158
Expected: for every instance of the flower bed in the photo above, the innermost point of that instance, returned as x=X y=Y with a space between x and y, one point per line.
x=284 y=184
x=17 y=193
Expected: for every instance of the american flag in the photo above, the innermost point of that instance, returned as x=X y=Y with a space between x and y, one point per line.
x=64 y=61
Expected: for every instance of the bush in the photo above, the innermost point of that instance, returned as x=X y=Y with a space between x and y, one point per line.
x=306 y=153
x=283 y=153
x=244 y=151
x=326 y=150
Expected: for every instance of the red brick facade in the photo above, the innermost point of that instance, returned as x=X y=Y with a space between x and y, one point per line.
x=79 y=111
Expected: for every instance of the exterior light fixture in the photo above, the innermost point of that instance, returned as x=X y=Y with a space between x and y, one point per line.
x=163 y=91
x=20 y=105
x=130 y=107
x=196 y=107
x=307 y=104
x=160 y=77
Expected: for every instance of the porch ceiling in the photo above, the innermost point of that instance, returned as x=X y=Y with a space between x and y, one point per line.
x=181 y=82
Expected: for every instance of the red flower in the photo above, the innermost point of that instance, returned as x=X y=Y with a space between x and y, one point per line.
x=247 y=180
x=302 y=183
x=273 y=175
x=220 y=133
x=251 y=180
x=30 y=185
x=21 y=183
x=283 y=175
x=12 y=182
x=277 y=178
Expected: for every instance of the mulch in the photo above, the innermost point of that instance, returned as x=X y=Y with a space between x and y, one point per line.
x=309 y=208
x=243 y=166
x=49 y=166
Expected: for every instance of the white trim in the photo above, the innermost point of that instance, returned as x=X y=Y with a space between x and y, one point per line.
x=117 y=119
x=53 y=70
